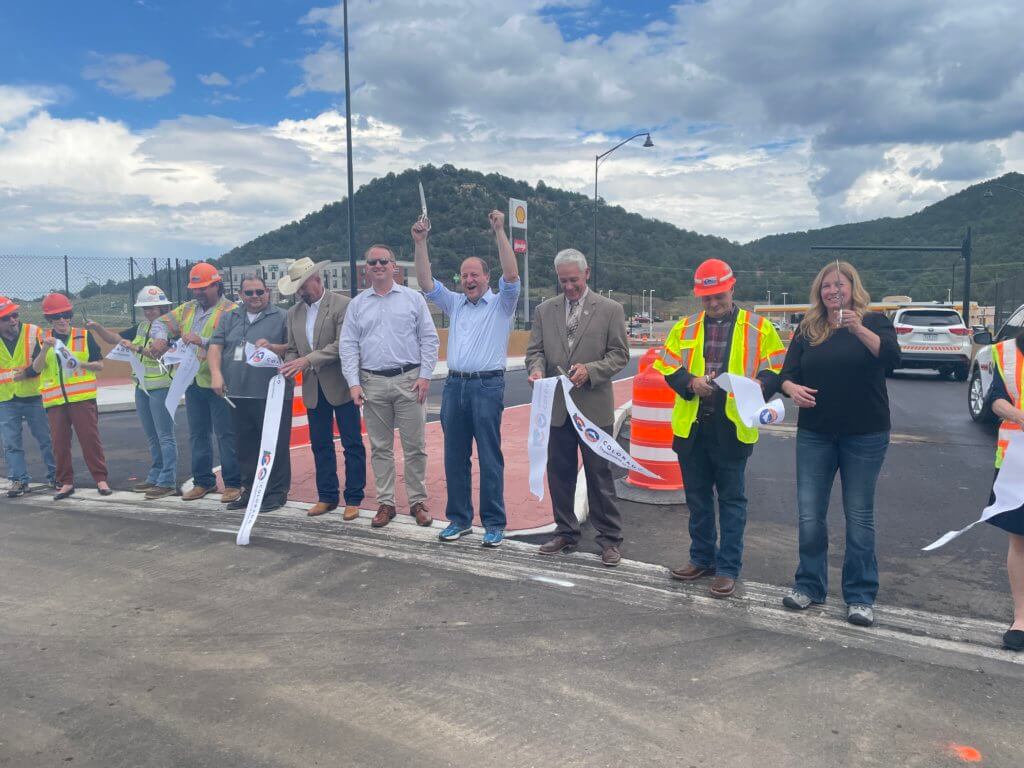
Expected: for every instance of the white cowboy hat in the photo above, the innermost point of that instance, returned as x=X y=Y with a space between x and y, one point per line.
x=299 y=271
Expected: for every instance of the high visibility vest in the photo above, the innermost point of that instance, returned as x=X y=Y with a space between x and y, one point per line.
x=157 y=377
x=755 y=347
x=59 y=387
x=180 y=320
x=1010 y=363
x=10 y=364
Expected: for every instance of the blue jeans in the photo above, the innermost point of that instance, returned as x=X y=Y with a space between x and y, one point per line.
x=705 y=472
x=471 y=410
x=321 y=440
x=858 y=458
x=12 y=413
x=159 y=428
x=209 y=415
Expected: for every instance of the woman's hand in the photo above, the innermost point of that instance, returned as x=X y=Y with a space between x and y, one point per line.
x=802 y=396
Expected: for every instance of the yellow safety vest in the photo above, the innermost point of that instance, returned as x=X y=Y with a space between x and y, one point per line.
x=10 y=364
x=755 y=347
x=1010 y=363
x=157 y=377
x=179 y=321
x=59 y=387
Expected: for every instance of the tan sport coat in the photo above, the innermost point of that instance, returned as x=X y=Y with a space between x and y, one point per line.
x=601 y=344
x=325 y=365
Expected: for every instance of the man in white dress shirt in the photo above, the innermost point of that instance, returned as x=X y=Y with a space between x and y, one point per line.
x=388 y=350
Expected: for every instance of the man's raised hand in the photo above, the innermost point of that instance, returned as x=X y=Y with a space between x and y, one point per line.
x=420 y=230
x=497 y=219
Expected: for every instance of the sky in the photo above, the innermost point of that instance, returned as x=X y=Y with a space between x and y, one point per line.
x=178 y=128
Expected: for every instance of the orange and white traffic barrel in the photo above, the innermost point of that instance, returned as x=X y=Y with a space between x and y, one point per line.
x=650 y=432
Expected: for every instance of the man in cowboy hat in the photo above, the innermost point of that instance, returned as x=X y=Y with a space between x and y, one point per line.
x=314 y=325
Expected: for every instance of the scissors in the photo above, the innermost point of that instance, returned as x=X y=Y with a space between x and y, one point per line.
x=839 y=277
x=423 y=208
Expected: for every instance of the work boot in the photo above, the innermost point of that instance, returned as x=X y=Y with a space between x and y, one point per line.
x=197 y=492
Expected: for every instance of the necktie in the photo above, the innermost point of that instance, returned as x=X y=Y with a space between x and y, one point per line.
x=573 y=323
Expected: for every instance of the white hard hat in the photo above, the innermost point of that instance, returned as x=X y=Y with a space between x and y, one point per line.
x=151 y=296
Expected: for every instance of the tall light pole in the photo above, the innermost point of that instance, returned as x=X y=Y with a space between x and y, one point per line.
x=650 y=316
x=348 y=149
x=643 y=299
x=597 y=163
x=784 y=295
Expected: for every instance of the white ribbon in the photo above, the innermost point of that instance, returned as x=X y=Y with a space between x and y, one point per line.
x=750 y=404
x=67 y=359
x=1008 y=489
x=540 y=431
x=261 y=357
x=268 y=449
x=122 y=353
x=184 y=356
x=591 y=435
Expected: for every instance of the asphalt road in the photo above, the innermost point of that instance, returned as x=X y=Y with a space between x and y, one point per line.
x=936 y=478
x=141 y=635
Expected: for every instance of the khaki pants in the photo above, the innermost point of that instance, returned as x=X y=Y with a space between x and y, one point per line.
x=391 y=403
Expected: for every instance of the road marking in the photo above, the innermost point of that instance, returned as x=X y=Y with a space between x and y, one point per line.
x=931 y=637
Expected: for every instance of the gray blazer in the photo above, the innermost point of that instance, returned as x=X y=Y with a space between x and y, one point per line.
x=601 y=344
x=325 y=365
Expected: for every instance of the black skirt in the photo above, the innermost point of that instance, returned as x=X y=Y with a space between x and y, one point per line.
x=1012 y=521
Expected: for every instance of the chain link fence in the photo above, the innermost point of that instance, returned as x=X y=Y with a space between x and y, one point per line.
x=102 y=289
x=1007 y=295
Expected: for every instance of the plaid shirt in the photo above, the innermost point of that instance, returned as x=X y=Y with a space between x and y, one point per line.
x=717 y=334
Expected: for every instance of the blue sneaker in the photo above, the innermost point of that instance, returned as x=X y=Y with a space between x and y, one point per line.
x=454 y=532
x=493 y=537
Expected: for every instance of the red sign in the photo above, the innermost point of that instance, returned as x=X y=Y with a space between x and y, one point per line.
x=519 y=246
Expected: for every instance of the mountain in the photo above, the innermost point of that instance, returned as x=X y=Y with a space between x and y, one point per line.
x=637 y=253
x=994 y=214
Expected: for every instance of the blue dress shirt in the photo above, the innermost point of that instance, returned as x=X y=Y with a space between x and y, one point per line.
x=478 y=336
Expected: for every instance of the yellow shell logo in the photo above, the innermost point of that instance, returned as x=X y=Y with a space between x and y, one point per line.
x=520 y=214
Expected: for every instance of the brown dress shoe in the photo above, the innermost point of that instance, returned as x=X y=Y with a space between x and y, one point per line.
x=723 y=586
x=689 y=572
x=197 y=492
x=321 y=507
x=385 y=514
x=610 y=556
x=350 y=513
x=559 y=545
x=421 y=513
x=230 y=494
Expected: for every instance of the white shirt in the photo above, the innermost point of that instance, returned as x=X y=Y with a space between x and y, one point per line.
x=252 y=316
x=311 y=312
x=382 y=332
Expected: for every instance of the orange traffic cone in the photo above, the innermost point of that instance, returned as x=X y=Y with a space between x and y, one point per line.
x=650 y=436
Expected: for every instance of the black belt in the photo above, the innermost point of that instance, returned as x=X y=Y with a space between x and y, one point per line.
x=476 y=374
x=394 y=371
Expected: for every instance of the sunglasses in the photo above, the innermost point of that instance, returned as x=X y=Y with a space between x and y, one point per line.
x=10 y=318
x=257 y=292
x=375 y=262
x=61 y=316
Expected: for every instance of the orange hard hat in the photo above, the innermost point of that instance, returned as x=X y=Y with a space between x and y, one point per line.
x=55 y=303
x=7 y=306
x=202 y=275
x=713 y=276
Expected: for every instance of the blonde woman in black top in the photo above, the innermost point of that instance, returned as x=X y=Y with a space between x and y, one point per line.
x=835 y=373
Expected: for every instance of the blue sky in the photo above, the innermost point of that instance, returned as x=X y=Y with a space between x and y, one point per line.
x=184 y=128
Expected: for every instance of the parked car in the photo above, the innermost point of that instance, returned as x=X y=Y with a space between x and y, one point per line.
x=982 y=366
x=934 y=337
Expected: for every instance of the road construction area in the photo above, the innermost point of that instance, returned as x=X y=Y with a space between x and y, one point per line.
x=138 y=634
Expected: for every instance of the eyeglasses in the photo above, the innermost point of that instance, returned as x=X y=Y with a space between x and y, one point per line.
x=257 y=292
x=61 y=316
x=375 y=262
x=10 y=318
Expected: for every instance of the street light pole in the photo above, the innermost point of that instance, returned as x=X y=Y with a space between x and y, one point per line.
x=348 y=150
x=597 y=163
x=650 y=316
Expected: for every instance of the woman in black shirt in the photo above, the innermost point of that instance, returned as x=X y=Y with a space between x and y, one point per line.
x=835 y=373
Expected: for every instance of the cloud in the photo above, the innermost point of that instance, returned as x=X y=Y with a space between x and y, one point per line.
x=966 y=162
x=16 y=102
x=246 y=35
x=125 y=74
x=214 y=79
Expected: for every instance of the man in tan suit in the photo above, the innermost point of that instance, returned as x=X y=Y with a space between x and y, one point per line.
x=314 y=325
x=584 y=334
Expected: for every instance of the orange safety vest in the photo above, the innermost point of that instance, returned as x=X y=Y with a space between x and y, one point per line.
x=1010 y=363
x=21 y=358
x=60 y=387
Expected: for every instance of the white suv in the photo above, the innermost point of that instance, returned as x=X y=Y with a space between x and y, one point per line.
x=934 y=337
